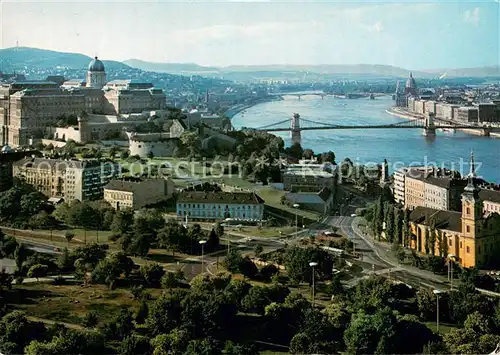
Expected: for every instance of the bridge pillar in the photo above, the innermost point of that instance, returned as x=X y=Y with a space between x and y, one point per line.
x=295 y=128
x=429 y=126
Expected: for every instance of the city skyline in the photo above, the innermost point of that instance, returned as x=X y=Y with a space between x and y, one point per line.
x=404 y=34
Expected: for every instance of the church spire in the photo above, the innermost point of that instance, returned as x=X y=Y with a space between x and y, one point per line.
x=471 y=178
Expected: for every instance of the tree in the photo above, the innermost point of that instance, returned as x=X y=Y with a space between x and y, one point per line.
x=20 y=255
x=232 y=261
x=151 y=155
x=113 y=151
x=90 y=320
x=152 y=273
x=135 y=344
x=69 y=235
x=219 y=229
x=308 y=153
x=258 y=250
x=164 y=314
x=169 y=281
x=256 y=300
x=296 y=261
x=389 y=223
x=16 y=332
x=37 y=271
x=106 y=272
x=142 y=313
x=174 y=342
x=213 y=240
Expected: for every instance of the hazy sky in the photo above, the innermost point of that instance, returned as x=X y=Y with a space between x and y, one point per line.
x=414 y=35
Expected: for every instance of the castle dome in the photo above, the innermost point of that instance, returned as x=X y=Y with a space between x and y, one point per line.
x=96 y=65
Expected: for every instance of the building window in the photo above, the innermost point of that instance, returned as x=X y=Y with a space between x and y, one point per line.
x=468 y=229
x=451 y=242
x=460 y=245
x=468 y=210
x=468 y=250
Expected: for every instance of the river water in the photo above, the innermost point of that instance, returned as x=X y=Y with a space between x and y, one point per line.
x=399 y=146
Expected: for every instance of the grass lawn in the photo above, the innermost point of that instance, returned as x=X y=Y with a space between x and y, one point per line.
x=264 y=231
x=443 y=327
x=57 y=237
x=70 y=303
x=272 y=197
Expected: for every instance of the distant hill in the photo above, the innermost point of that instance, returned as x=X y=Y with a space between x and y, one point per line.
x=467 y=72
x=18 y=58
x=173 y=68
x=284 y=71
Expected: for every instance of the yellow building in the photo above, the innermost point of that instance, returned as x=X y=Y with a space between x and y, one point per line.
x=467 y=235
x=69 y=179
x=128 y=194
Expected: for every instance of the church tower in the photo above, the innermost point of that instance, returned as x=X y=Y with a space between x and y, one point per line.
x=96 y=75
x=472 y=208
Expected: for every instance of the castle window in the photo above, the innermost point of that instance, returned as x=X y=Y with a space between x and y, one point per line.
x=468 y=210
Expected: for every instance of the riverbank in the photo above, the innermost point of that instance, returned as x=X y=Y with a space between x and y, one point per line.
x=406 y=115
x=234 y=110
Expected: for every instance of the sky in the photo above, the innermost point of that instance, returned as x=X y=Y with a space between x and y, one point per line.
x=414 y=35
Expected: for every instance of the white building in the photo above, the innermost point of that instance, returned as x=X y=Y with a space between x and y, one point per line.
x=220 y=205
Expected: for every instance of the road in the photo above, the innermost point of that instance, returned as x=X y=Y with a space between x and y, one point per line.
x=377 y=254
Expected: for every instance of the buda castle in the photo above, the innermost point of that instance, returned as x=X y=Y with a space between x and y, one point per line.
x=28 y=108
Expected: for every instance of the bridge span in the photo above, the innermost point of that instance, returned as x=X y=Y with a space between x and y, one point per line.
x=429 y=125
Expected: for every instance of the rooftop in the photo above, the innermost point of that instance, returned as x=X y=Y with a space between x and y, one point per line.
x=449 y=220
x=56 y=164
x=247 y=198
x=489 y=195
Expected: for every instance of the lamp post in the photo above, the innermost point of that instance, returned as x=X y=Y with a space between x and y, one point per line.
x=202 y=243
x=312 y=264
x=296 y=206
x=451 y=260
x=437 y=292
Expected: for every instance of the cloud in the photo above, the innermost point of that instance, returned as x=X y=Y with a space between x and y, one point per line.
x=472 y=16
x=225 y=32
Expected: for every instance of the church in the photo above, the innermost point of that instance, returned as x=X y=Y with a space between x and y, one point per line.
x=27 y=108
x=469 y=237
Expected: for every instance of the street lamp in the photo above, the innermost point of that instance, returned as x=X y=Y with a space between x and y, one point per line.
x=296 y=206
x=313 y=264
x=437 y=292
x=202 y=243
x=451 y=260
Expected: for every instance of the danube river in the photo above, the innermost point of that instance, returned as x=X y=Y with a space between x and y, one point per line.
x=399 y=146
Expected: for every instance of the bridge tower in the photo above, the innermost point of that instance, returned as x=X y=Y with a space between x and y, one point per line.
x=295 y=129
x=429 y=126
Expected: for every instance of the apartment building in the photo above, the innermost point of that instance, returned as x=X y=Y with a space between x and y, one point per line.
x=130 y=194
x=491 y=201
x=68 y=179
x=220 y=205
x=400 y=179
x=432 y=189
x=309 y=177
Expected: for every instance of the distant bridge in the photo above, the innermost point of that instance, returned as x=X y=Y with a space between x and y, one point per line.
x=297 y=124
x=322 y=94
